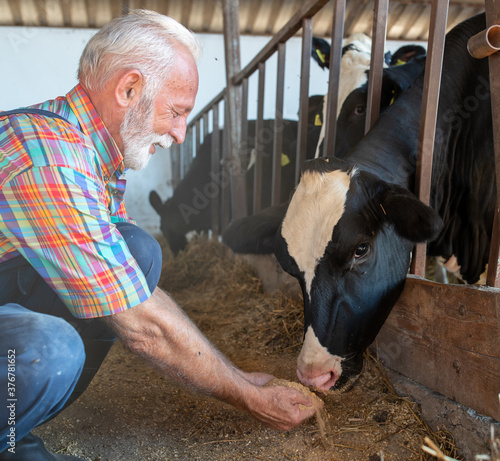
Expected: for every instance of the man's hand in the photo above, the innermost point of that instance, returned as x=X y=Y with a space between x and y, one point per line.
x=281 y=407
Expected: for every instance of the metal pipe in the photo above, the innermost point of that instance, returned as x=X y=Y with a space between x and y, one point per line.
x=485 y=43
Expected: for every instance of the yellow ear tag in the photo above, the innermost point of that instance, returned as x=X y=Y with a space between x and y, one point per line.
x=317 y=120
x=284 y=159
x=321 y=56
x=392 y=100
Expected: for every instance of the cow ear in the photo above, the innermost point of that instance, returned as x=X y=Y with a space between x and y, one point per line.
x=321 y=52
x=396 y=79
x=255 y=234
x=412 y=219
x=155 y=201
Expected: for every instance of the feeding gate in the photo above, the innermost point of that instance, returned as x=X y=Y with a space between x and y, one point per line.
x=446 y=337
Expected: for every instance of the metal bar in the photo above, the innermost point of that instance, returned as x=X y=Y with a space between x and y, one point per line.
x=208 y=107
x=278 y=126
x=216 y=169
x=198 y=139
x=259 y=132
x=233 y=107
x=376 y=62
x=205 y=126
x=492 y=18
x=175 y=165
x=430 y=101
x=305 y=68
x=245 y=153
x=289 y=30
x=334 y=79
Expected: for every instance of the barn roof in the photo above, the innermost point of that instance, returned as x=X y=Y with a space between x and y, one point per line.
x=408 y=19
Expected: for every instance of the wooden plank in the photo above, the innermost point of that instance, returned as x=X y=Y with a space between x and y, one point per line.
x=446 y=337
x=428 y=117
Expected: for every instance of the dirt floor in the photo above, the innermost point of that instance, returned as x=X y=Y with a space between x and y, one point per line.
x=131 y=413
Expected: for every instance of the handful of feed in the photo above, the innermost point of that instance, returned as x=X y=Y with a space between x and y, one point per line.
x=316 y=401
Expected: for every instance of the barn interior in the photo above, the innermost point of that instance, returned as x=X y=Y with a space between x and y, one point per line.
x=252 y=311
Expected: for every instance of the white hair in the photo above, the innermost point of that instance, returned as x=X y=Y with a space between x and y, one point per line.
x=143 y=40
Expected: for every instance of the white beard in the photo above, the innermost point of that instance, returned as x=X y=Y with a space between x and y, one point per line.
x=137 y=134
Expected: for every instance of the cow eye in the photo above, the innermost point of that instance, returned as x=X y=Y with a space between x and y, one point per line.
x=360 y=110
x=361 y=250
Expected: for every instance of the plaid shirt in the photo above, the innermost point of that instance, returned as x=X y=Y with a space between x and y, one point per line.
x=61 y=191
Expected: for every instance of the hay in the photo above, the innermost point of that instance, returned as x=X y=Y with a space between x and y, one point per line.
x=225 y=297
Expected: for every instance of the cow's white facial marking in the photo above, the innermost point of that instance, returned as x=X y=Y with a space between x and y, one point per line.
x=353 y=67
x=315 y=365
x=315 y=209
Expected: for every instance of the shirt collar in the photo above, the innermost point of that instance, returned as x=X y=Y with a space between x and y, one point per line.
x=93 y=127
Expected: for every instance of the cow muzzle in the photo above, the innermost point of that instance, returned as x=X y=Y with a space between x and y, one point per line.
x=316 y=366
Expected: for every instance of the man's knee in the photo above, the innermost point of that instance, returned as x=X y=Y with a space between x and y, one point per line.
x=50 y=349
x=145 y=249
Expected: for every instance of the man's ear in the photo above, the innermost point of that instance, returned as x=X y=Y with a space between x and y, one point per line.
x=412 y=219
x=129 y=88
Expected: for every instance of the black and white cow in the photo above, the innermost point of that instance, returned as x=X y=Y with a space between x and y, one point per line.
x=351 y=223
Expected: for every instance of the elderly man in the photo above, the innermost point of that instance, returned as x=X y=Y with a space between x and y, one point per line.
x=75 y=271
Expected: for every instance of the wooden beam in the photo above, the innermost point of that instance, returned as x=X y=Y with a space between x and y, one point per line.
x=446 y=337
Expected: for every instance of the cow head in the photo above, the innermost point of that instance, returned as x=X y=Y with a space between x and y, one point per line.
x=351 y=119
x=347 y=237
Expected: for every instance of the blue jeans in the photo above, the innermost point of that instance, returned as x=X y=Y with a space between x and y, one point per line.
x=47 y=356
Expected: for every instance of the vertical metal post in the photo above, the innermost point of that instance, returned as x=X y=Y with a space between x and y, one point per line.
x=376 y=62
x=259 y=136
x=233 y=108
x=278 y=126
x=492 y=18
x=333 y=84
x=430 y=101
x=305 y=68
x=216 y=169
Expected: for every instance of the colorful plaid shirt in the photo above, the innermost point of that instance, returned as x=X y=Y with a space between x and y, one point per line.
x=61 y=192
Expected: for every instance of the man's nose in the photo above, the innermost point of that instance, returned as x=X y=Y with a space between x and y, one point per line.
x=178 y=131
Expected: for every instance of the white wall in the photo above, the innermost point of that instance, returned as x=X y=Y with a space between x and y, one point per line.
x=41 y=63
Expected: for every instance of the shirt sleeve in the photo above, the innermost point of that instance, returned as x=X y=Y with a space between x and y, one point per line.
x=57 y=218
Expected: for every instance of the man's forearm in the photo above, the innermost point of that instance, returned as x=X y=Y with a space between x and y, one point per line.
x=160 y=332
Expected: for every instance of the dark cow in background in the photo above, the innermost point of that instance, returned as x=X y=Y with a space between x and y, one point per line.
x=351 y=223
